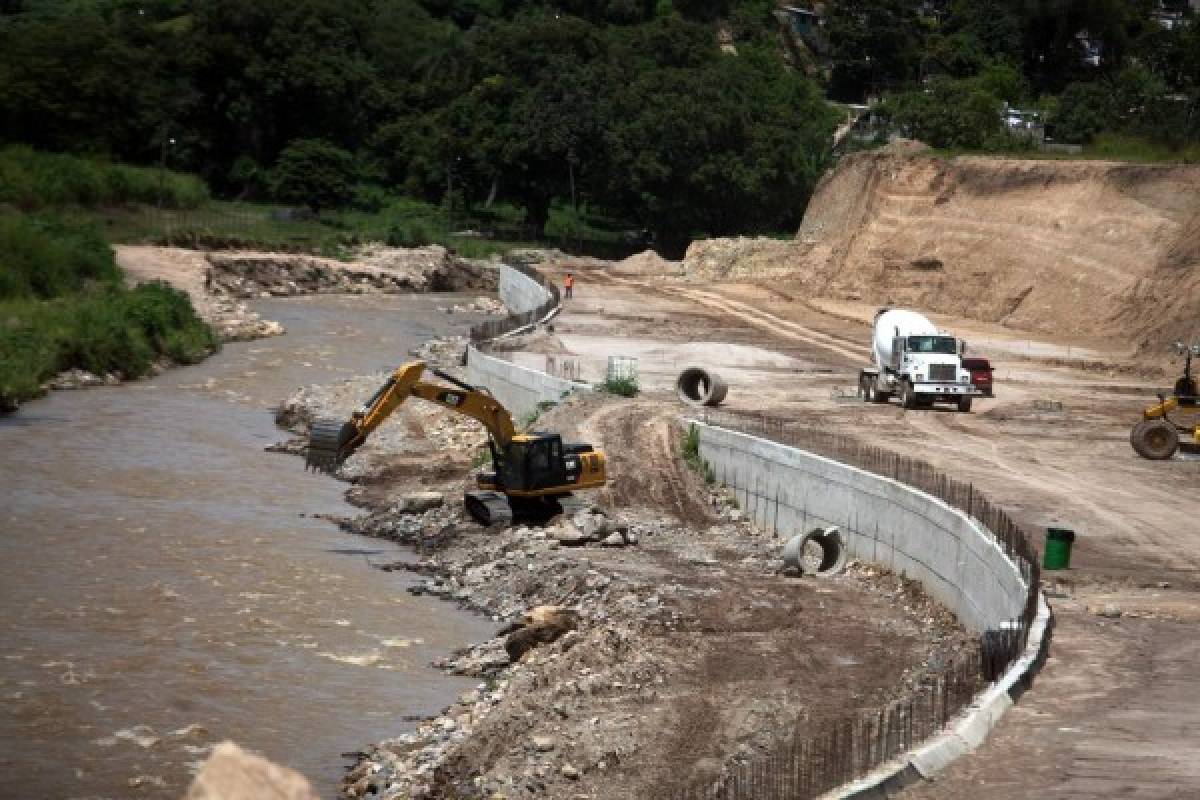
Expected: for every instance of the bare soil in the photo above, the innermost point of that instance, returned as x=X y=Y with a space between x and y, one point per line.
x=692 y=652
x=1107 y=715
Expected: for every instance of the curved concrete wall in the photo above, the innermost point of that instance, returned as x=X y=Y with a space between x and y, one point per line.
x=788 y=491
x=519 y=388
x=520 y=292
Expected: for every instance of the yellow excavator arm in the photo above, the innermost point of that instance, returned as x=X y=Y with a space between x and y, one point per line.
x=533 y=472
x=332 y=441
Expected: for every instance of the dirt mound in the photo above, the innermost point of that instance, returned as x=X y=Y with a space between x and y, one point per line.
x=1072 y=248
x=730 y=259
x=647 y=262
x=1164 y=306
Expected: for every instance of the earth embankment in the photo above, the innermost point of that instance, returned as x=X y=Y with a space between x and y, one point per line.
x=1069 y=248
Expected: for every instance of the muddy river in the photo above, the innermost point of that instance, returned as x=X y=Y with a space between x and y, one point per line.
x=164 y=586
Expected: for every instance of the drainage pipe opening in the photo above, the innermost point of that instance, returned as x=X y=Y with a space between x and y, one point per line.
x=697 y=386
x=819 y=552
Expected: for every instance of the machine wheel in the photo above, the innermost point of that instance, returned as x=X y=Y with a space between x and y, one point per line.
x=864 y=390
x=1154 y=439
x=964 y=404
x=908 y=397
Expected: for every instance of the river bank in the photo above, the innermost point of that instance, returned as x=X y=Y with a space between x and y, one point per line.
x=672 y=647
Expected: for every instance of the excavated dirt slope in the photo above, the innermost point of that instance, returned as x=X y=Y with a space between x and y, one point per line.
x=1072 y=248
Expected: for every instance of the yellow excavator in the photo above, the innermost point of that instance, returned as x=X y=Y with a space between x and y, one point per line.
x=532 y=472
x=1157 y=436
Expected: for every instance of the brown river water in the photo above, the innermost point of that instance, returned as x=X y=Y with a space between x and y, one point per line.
x=163 y=585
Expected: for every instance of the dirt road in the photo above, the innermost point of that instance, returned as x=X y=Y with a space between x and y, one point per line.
x=1117 y=696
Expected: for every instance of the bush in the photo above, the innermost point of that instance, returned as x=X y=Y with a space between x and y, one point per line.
x=110 y=329
x=315 y=173
x=625 y=387
x=690 y=448
x=46 y=258
x=33 y=181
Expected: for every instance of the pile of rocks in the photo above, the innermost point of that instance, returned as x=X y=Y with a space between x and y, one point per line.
x=741 y=257
x=372 y=269
x=81 y=379
x=442 y=352
x=234 y=322
x=480 y=305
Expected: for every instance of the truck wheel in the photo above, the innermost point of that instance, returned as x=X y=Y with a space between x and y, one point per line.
x=1154 y=439
x=964 y=404
x=864 y=390
x=908 y=397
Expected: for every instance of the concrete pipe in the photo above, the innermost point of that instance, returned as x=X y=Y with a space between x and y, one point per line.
x=801 y=552
x=700 y=387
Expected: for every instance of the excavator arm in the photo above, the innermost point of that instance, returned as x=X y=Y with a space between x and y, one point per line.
x=332 y=441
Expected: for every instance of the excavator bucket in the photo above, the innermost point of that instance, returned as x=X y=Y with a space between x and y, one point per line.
x=328 y=444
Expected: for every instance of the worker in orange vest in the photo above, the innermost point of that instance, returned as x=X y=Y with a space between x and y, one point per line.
x=568 y=285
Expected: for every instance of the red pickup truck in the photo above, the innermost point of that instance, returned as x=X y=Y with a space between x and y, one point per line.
x=981 y=374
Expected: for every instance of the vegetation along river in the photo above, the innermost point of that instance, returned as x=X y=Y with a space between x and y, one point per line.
x=164 y=585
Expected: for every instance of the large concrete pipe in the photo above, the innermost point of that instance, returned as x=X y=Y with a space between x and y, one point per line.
x=801 y=552
x=700 y=387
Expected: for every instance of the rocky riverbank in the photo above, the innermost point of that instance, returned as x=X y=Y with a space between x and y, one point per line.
x=638 y=650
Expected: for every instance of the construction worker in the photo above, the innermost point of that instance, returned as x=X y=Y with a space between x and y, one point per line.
x=568 y=286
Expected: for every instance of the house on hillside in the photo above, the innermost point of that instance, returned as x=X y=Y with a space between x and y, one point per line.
x=1091 y=48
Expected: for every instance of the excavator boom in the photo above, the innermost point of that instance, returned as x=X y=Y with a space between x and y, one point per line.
x=332 y=441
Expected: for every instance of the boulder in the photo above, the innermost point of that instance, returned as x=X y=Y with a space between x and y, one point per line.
x=231 y=773
x=542 y=625
x=417 y=502
x=568 y=535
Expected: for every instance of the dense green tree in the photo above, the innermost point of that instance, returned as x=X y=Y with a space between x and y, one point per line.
x=315 y=173
x=873 y=44
x=950 y=114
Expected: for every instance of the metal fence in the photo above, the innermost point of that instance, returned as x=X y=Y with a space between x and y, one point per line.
x=799 y=766
x=486 y=331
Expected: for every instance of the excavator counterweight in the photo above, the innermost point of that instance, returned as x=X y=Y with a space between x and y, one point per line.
x=533 y=471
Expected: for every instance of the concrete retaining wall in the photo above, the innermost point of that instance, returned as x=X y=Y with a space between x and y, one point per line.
x=789 y=491
x=520 y=292
x=519 y=388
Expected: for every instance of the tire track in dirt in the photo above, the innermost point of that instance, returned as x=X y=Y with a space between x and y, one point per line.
x=763 y=320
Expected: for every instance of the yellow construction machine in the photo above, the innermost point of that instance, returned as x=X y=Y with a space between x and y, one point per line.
x=1157 y=436
x=533 y=472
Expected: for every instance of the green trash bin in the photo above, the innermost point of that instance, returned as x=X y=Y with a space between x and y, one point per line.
x=1058 y=548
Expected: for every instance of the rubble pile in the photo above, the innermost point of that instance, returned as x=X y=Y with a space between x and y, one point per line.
x=480 y=305
x=741 y=257
x=443 y=352
x=372 y=269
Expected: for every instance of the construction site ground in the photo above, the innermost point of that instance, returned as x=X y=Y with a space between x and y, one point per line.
x=692 y=651
x=1113 y=713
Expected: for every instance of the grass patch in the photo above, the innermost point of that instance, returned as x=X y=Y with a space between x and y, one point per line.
x=530 y=419
x=623 y=387
x=1105 y=147
x=690 y=449
x=106 y=329
x=45 y=257
x=34 y=181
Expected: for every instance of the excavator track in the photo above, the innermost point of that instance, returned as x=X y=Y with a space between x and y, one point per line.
x=326 y=439
x=490 y=509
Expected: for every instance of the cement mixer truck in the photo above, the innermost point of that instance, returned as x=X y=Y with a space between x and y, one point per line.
x=915 y=362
